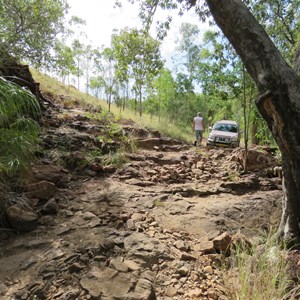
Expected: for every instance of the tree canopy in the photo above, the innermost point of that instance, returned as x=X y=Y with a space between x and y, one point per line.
x=29 y=29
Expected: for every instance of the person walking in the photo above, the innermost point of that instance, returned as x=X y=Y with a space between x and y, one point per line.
x=198 y=128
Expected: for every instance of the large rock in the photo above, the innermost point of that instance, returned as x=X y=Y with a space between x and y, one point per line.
x=222 y=243
x=20 y=219
x=150 y=143
x=109 y=284
x=146 y=249
x=43 y=190
x=257 y=159
x=51 y=173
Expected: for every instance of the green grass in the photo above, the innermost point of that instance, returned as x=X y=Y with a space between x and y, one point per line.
x=18 y=128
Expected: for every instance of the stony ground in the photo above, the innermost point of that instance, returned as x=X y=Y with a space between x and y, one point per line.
x=147 y=230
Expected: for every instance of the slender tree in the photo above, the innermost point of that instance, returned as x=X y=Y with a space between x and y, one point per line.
x=109 y=75
x=138 y=58
x=78 y=50
x=189 y=49
x=64 y=63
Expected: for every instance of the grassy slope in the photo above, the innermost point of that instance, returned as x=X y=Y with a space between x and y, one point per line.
x=53 y=86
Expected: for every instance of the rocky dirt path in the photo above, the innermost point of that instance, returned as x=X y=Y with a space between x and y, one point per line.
x=152 y=229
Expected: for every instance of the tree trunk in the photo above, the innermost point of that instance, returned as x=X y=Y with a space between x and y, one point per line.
x=279 y=103
x=140 y=102
x=254 y=138
x=245 y=122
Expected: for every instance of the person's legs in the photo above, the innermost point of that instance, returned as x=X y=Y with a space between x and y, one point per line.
x=200 y=137
x=197 y=137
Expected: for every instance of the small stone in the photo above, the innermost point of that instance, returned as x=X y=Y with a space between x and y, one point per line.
x=208 y=269
x=118 y=265
x=171 y=291
x=88 y=215
x=195 y=294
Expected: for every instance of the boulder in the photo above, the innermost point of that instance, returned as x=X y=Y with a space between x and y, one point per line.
x=43 y=190
x=21 y=219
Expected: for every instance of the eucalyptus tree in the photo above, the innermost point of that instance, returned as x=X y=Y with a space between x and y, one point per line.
x=109 y=75
x=188 y=46
x=29 y=29
x=87 y=65
x=64 y=62
x=138 y=59
x=218 y=75
x=277 y=83
x=161 y=98
x=96 y=85
x=229 y=92
x=183 y=107
x=78 y=50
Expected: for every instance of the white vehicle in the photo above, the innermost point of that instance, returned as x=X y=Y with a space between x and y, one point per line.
x=224 y=133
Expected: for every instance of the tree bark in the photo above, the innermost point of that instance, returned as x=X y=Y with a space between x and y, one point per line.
x=279 y=103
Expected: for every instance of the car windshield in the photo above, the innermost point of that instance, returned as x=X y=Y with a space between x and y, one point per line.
x=226 y=127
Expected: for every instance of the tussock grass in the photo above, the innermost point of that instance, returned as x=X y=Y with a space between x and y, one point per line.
x=259 y=274
x=18 y=128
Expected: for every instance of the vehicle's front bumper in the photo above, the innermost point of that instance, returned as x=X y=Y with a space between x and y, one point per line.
x=223 y=142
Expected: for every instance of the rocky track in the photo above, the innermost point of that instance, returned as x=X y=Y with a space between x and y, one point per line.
x=156 y=228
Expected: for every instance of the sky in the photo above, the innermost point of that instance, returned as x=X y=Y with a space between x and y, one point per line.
x=102 y=18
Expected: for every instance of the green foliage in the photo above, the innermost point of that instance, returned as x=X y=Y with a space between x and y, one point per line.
x=161 y=95
x=264 y=134
x=29 y=29
x=103 y=116
x=138 y=58
x=113 y=133
x=105 y=66
x=280 y=18
x=117 y=159
x=188 y=45
x=64 y=62
x=149 y=7
x=216 y=67
x=18 y=129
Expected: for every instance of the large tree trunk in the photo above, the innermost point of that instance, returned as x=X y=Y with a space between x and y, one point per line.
x=279 y=103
